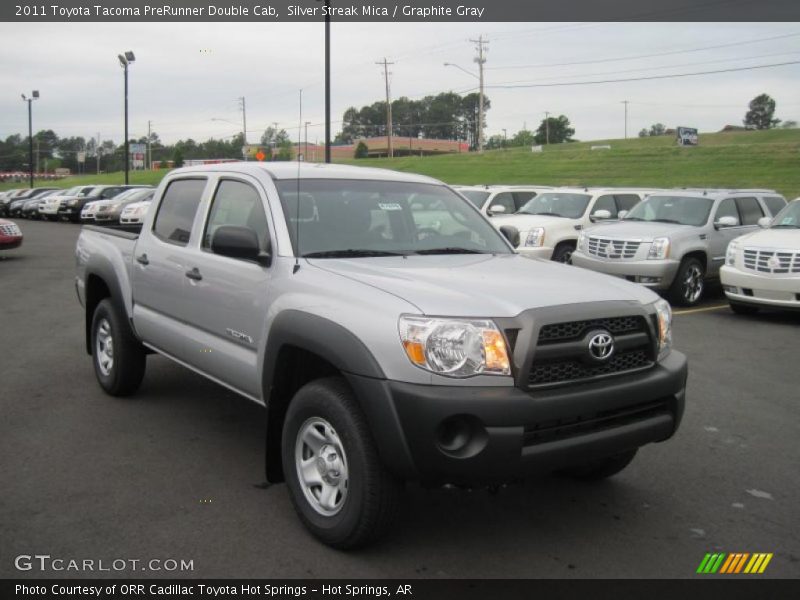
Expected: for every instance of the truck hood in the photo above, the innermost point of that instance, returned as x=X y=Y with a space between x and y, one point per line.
x=640 y=230
x=772 y=238
x=483 y=285
x=528 y=222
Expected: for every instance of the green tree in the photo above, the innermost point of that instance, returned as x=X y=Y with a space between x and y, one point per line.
x=657 y=129
x=761 y=113
x=522 y=138
x=177 y=157
x=643 y=133
x=554 y=130
x=361 y=150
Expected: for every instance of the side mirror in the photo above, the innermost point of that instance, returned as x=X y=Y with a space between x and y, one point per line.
x=238 y=242
x=511 y=234
x=765 y=222
x=726 y=221
x=497 y=209
x=601 y=215
x=622 y=214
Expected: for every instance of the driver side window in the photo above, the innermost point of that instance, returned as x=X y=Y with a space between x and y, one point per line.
x=727 y=208
x=237 y=203
x=606 y=203
x=506 y=200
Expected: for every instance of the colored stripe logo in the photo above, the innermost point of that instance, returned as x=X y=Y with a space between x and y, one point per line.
x=734 y=563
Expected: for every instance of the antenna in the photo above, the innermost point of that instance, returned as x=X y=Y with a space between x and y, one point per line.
x=297 y=211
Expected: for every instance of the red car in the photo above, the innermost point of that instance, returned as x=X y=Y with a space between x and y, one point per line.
x=10 y=235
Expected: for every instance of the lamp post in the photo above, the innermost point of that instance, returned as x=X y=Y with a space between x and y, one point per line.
x=124 y=60
x=34 y=96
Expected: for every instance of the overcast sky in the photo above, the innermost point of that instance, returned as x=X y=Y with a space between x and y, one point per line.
x=186 y=75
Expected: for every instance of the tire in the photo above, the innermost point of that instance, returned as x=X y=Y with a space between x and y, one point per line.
x=365 y=500
x=602 y=468
x=563 y=253
x=119 y=372
x=743 y=309
x=689 y=284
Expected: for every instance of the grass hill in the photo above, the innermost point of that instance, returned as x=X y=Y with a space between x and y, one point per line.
x=738 y=159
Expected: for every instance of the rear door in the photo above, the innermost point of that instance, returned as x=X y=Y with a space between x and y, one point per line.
x=159 y=267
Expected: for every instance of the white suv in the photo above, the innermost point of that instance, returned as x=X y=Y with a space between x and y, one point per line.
x=763 y=268
x=549 y=224
x=493 y=200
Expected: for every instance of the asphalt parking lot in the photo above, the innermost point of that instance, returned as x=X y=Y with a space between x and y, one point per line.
x=176 y=472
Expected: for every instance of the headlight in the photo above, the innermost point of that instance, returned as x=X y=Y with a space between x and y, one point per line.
x=455 y=347
x=582 y=241
x=730 y=253
x=664 y=314
x=535 y=237
x=659 y=249
x=72 y=203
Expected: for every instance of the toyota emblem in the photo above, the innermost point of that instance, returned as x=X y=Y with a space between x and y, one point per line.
x=601 y=346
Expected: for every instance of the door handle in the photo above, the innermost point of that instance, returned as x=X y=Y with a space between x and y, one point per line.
x=194 y=274
x=142 y=259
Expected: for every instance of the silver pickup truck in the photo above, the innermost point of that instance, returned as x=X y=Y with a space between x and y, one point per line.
x=383 y=350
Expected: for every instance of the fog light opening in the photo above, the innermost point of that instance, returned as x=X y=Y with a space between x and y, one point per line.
x=461 y=436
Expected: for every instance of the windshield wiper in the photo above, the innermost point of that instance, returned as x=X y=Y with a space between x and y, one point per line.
x=450 y=250
x=785 y=226
x=350 y=253
x=667 y=221
x=632 y=219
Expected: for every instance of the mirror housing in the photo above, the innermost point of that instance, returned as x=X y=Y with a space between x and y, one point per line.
x=497 y=209
x=238 y=242
x=511 y=234
x=765 y=222
x=726 y=221
x=601 y=215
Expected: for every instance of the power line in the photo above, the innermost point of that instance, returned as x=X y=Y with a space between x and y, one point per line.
x=670 y=53
x=571 y=83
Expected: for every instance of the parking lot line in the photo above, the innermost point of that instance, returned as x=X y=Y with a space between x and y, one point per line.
x=697 y=310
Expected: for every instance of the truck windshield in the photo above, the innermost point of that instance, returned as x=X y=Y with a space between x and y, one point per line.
x=571 y=206
x=477 y=197
x=788 y=218
x=682 y=210
x=337 y=218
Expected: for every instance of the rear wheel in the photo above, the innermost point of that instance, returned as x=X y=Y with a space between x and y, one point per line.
x=602 y=468
x=340 y=490
x=743 y=309
x=563 y=253
x=119 y=358
x=689 y=284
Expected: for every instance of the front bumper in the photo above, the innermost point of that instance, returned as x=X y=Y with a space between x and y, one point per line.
x=478 y=435
x=761 y=290
x=10 y=242
x=543 y=252
x=633 y=270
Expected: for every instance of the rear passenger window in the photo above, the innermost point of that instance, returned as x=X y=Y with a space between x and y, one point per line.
x=750 y=210
x=727 y=208
x=606 y=203
x=627 y=201
x=237 y=203
x=177 y=209
x=775 y=204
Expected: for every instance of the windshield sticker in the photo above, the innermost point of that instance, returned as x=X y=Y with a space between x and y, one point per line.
x=787 y=221
x=390 y=206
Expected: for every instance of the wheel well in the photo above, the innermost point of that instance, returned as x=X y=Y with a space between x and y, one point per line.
x=699 y=255
x=96 y=291
x=294 y=367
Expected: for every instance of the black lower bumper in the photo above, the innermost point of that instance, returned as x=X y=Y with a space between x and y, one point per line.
x=475 y=435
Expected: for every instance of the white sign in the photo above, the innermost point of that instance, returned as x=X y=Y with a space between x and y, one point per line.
x=81 y=157
x=537 y=148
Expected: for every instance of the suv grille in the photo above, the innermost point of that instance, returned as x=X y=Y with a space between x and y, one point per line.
x=10 y=229
x=772 y=261
x=562 y=353
x=612 y=249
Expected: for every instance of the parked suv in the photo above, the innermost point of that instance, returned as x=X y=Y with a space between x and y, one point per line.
x=71 y=208
x=673 y=241
x=549 y=224
x=20 y=200
x=49 y=208
x=109 y=211
x=762 y=269
x=381 y=352
x=493 y=200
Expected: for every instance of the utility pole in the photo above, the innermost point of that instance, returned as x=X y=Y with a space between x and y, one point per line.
x=625 y=102
x=305 y=141
x=97 y=152
x=37 y=154
x=149 y=153
x=390 y=150
x=505 y=138
x=243 y=108
x=481 y=47
x=546 y=128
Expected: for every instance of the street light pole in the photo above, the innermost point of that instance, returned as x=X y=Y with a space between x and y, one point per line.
x=124 y=61
x=625 y=102
x=34 y=96
x=305 y=150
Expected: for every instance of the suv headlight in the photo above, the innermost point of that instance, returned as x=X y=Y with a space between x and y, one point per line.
x=72 y=202
x=535 y=237
x=582 y=241
x=730 y=253
x=454 y=347
x=659 y=249
x=664 y=314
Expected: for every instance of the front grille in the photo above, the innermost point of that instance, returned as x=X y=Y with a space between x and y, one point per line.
x=574 y=370
x=10 y=229
x=559 y=429
x=612 y=249
x=562 y=350
x=772 y=261
x=574 y=329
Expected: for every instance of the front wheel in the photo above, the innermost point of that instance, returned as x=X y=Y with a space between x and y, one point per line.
x=602 y=468
x=563 y=254
x=340 y=490
x=689 y=284
x=119 y=358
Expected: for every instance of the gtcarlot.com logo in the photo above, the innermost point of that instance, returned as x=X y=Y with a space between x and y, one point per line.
x=735 y=563
x=45 y=562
